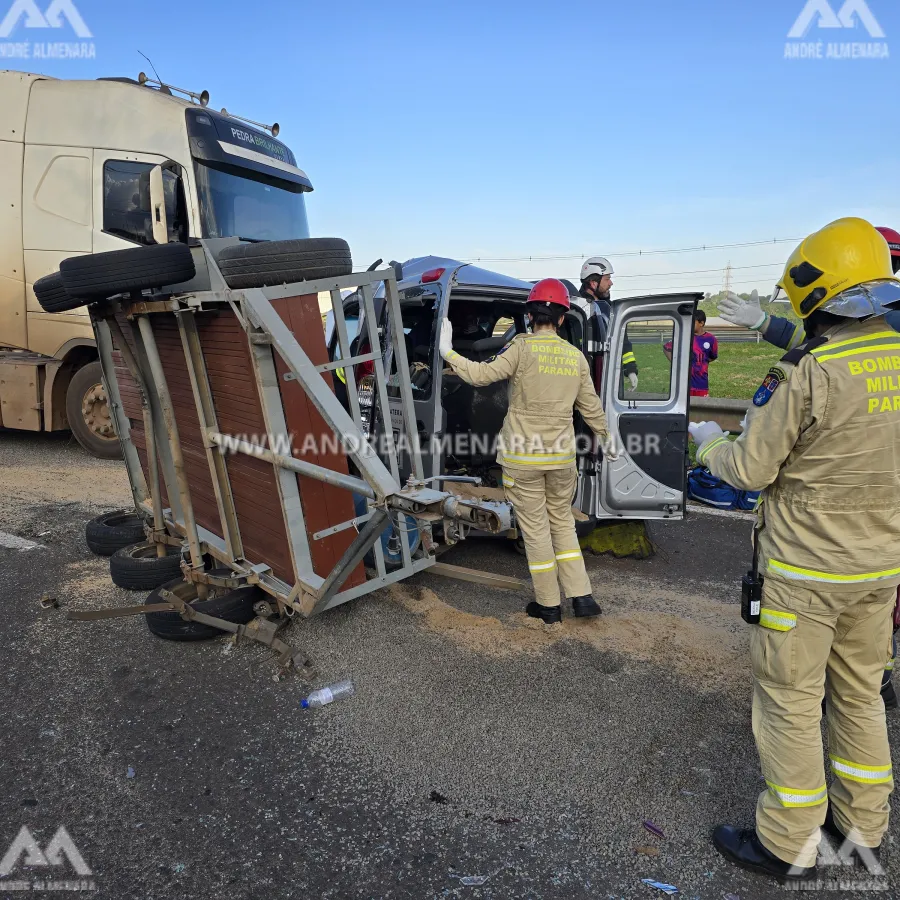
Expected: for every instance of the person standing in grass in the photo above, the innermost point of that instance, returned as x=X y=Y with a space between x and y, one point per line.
x=705 y=351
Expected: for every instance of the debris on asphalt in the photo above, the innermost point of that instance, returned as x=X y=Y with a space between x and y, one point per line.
x=731 y=897
x=48 y=601
x=130 y=772
x=326 y=695
x=647 y=851
x=669 y=889
x=437 y=797
x=473 y=880
x=653 y=828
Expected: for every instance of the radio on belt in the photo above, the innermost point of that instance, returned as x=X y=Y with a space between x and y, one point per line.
x=751 y=587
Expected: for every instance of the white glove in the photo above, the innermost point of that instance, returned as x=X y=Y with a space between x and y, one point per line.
x=742 y=312
x=445 y=344
x=702 y=432
x=632 y=378
x=610 y=450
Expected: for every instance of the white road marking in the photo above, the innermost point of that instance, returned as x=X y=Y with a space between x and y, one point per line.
x=725 y=513
x=14 y=542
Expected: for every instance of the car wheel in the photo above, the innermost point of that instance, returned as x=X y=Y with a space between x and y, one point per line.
x=231 y=605
x=112 y=531
x=87 y=410
x=284 y=262
x=97 y=276
x=139 y=567
x=51 y=293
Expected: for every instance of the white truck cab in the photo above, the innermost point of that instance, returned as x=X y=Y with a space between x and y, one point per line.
x=75 y=163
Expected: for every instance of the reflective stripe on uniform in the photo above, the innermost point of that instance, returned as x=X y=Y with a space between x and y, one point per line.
x=701 y=455
x=451 y=354
x=797 y=338
x=628 y=358
x=568 y=554
x=827 y=348
x=895 y=345
x=777 y=620
x=889 y=667
x=795 y=573
x=507 y=481
x=796 y=797
x=863 y=774
x=542 y=566
x=539 y=459
x=341 y=376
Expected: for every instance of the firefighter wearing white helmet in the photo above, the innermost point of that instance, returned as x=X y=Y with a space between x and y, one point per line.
x=821 y=441
x=596 y=281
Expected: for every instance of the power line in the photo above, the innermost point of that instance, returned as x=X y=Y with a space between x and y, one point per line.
x=699 y=271
x=623 y=253
x=689 y=287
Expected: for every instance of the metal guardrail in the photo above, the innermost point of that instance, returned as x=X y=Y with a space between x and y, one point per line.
x=726 y=413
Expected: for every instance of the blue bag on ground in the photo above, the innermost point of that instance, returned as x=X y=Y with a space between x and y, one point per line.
x=706 y=488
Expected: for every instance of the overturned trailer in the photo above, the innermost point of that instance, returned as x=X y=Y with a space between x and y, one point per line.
x=236 y=446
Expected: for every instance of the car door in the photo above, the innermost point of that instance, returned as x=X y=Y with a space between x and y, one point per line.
x=650 y=423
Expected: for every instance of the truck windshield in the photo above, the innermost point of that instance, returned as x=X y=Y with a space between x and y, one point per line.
x=249 y=206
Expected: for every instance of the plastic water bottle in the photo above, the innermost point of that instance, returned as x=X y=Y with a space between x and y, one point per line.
x=326 y=695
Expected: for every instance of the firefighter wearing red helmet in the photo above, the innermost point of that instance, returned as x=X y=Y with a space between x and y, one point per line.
x=548 y=377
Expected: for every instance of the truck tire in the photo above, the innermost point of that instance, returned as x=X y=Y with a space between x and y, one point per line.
x=284 y=262
x=138 y=568
x=233 y=606
x=53 y=296
x=112 y=531
x=87 y=409
x=100 y=275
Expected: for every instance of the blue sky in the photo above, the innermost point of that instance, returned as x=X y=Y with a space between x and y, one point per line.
x=507 y=130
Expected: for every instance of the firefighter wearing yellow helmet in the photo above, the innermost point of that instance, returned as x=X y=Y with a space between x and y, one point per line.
x=821 y=440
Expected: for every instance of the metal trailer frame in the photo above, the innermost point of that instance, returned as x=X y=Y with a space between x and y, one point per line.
x=387 y=499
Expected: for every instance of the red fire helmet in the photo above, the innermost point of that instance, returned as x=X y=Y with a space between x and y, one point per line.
x=550 y=291
x=893 y=239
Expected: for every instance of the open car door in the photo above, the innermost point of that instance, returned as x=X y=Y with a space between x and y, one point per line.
x=650 y=424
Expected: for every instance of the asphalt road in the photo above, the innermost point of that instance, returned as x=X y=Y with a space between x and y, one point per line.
x=478 y=743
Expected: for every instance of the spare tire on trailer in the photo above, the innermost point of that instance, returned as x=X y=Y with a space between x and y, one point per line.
x=284 y=262
x=100 y=275
x=231 y=605
x=51 y=293
x=139 y=567
x=113 y=530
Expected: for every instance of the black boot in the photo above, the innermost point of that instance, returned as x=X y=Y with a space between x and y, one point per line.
x=549 y=615
x=888 y=694
x=742 y=847
x=583 y=607
x=868 y=858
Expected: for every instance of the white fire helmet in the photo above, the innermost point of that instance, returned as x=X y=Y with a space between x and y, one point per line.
x=596 y=266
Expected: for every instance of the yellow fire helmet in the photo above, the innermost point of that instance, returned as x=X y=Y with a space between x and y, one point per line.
x=845 y=269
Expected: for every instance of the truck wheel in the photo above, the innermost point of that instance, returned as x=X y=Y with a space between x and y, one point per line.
x=100 y=275
x=87 y=409
x=233 y=606
x=138 y=568
x=53 y=296
x=112 y=531
x=284 y=262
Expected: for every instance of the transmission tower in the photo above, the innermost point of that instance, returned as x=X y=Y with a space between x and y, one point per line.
x=727 y=278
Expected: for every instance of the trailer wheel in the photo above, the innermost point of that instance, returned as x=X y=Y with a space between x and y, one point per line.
x=139 y=568
x=87 y=410
x=112 y=531
x=233 y=606
x=284 y=262
x=100 y=275
x=51 y=293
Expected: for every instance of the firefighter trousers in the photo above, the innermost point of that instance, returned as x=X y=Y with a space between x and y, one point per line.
x=805 y=635
x=542 y=502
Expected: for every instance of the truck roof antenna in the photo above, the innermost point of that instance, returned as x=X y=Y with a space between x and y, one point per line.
x=202 y=98
x=274 y=129
x=159 y=80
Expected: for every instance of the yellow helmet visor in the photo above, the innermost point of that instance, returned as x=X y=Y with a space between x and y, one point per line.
x=872 y=298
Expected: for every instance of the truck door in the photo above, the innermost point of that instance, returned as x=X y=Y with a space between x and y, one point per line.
x=650 y=423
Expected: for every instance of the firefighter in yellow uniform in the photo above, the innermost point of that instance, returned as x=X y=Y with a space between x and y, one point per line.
x=823 y=441
x=547 y=378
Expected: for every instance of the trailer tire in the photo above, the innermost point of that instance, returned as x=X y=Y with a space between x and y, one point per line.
x=112 y=531
x=97 y=276
x=51 y=293
x=138 y=568
x=87 y=411
x=284 y=262
x=233 y=606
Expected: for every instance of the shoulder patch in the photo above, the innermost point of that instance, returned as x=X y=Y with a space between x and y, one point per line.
x=500 y=352
x=794 y=356
x=770 y=384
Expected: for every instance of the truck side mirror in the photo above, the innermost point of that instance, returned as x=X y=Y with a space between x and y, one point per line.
x=158 y=206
